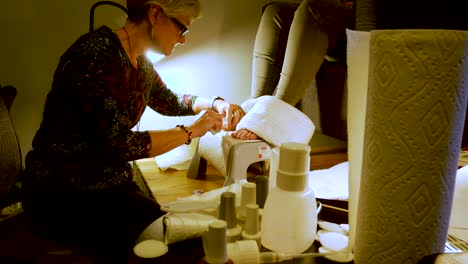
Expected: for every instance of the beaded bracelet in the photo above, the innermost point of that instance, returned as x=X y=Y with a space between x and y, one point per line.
x=214 y=99
x=189 y=134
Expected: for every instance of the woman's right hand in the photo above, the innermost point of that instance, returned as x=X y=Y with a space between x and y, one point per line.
x=209 y=121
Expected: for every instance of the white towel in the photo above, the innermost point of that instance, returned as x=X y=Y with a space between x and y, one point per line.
x=331 y=183
x=210 y=149
x=275 y=121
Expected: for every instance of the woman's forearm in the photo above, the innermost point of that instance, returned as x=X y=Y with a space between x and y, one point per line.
x=163 y=141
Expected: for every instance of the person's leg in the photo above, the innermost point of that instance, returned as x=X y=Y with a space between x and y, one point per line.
x=317 y=29
x=105 y=224
x=306 y=49
x=269 y=47
x=128 y=212
x=114 y=221
x=289 y=48
x=269 y=50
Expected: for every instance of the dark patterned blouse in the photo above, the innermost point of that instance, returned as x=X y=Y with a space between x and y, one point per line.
x=85 y=139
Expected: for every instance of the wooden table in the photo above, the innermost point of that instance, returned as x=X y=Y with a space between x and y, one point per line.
x=170 y=184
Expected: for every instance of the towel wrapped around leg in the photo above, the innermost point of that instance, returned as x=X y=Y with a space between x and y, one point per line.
x=271 y=119
x=275 y=121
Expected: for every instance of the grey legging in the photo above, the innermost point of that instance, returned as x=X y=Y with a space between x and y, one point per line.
x=291 y=43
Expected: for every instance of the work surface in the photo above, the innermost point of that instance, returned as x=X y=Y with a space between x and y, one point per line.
x=170 y=184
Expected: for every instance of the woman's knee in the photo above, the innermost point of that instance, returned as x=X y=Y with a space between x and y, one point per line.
x=279 y=12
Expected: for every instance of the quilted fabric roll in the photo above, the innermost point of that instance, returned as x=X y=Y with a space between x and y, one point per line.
x=416 y=102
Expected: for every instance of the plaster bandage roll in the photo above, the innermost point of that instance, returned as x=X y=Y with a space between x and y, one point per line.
x=416 y=103
x=183 y=226
x=275 y=121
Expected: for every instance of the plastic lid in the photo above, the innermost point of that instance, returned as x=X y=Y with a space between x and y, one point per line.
x=252 y=220
x=227 y=209
x=247 y=197
x=150 y=249
x=262 y=185
x=214 y=243
x=244 y=251
x=294 y=166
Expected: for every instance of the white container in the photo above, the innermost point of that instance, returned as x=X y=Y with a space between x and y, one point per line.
x=289 y=220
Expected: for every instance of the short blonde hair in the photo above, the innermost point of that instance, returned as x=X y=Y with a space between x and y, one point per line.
x=138 y=9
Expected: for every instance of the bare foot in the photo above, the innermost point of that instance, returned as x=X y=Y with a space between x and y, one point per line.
x=244 y=134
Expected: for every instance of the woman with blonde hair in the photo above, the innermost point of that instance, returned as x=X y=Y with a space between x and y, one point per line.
x=78 y=182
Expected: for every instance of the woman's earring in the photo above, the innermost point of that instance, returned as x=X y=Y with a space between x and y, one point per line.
x=152 y=26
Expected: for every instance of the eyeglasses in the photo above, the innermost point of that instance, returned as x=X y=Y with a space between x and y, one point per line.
x=183 y=29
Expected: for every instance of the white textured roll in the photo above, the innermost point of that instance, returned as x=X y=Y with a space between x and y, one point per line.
x=183 y=226
x=416 y=104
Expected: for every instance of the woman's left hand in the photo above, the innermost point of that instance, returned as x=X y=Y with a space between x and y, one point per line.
x=232 y=114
